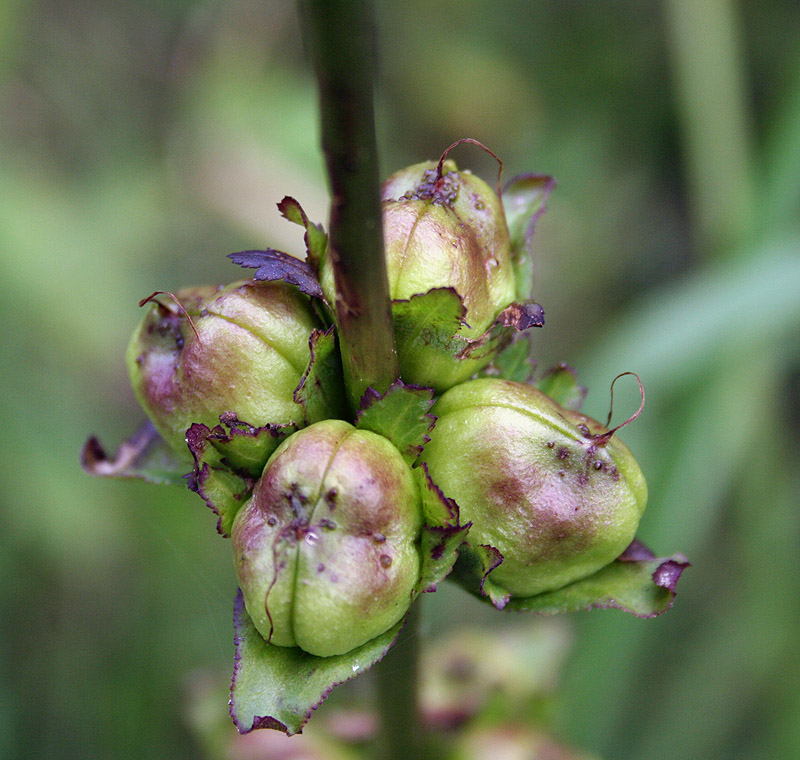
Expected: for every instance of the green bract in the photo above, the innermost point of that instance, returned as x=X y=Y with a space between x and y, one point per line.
x=244 y=353
x=549 y=488
x=327 y=549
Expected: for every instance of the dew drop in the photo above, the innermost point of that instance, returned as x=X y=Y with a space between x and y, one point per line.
x=379 y=538
x=386 y=561
x=272 y=521
x=312 y=537
x=598 y=465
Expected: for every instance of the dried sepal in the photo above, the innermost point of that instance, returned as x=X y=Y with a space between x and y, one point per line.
x=272 y=265
x=144 y=455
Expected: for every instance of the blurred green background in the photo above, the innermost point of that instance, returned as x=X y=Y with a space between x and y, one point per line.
x=140 y=142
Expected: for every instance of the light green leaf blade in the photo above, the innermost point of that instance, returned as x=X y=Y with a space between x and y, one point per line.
x=279 y=687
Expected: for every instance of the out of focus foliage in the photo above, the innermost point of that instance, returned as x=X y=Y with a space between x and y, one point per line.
x=140 y=142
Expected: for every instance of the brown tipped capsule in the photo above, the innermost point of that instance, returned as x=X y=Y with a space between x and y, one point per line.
x=242 y=349
x=544 y=485
x=323 y=573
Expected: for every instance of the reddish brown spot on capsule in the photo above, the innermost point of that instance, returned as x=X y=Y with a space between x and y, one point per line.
x=563 y=453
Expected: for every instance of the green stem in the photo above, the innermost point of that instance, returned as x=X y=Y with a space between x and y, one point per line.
x=341 y=40
x=400 y=733
x=707 y=61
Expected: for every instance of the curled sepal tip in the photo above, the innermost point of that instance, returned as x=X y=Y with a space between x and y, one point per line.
x=315 y=238
x=280 y=687
x=144 y=455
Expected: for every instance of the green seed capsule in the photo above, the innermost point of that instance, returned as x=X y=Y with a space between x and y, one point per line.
x=443 y=231
x=327 y=549
x=452 y=235
x=540 y=483
x=244 y=352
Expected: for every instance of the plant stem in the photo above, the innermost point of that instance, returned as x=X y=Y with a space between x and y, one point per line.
x=341 y=40
x=400 y=732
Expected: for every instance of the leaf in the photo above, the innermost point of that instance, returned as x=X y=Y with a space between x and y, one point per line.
x=279 y=687
x=321 y=391
x=274 y=265
x=428 y=320
x=427 y=328
x=442 y=534
x=145 y=455
x=637 y=582
x=315 y=238
x=560 y=383
x=245 y=448
x=222 y=489
x=472 y=572
x=513 y=363
x=401 y=415
x=524 y=200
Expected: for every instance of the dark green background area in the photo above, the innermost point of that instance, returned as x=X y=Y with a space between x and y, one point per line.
x=141 y=142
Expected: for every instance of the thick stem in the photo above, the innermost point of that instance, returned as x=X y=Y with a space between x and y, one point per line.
x=341 y=40
x=400 y=732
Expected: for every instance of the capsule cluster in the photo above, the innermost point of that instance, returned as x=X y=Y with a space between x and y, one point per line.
x=328 y=543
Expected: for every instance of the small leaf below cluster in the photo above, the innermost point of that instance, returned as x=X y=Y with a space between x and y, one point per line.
x=637 y=582
x=144 y=455
x=279 y=687
x=401 y=415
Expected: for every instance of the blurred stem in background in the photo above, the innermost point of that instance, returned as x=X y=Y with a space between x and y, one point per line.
x=709 y=78
x=342 y=42
x=724 y=491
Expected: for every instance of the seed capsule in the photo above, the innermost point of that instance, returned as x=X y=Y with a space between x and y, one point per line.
x=244 y=352
x=525 y=471
x=329 y=573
